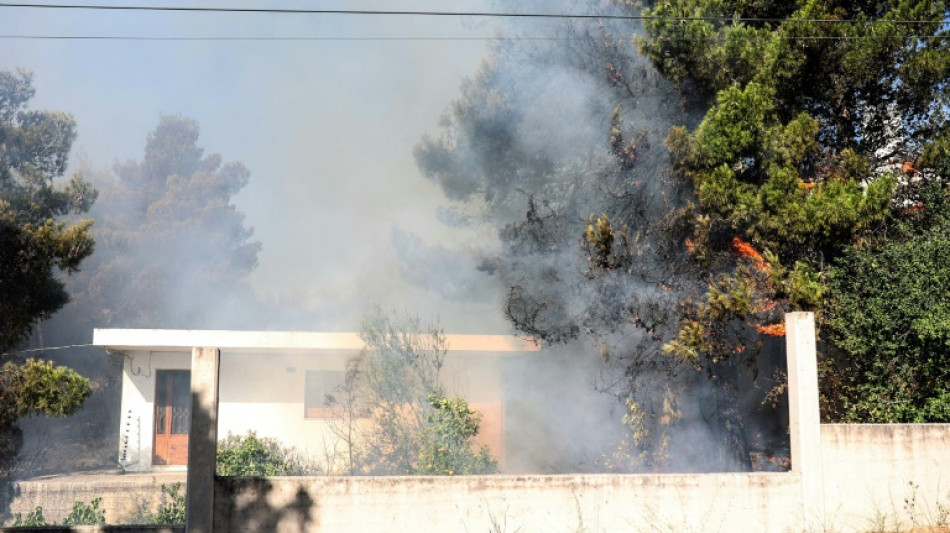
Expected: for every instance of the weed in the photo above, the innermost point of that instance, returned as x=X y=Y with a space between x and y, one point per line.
x=84 y=514
x=33 y=518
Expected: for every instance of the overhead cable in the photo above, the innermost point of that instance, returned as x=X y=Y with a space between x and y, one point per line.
x=497 y=38
x=492 y=14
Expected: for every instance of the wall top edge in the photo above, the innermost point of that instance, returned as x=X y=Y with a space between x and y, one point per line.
x=158 y=340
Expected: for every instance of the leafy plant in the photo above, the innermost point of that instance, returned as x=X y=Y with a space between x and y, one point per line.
x=447 y=446
x=42 y=387
x=172 y=508
x=83 y=514
x=35 y=387
x=33 y=518
x=250 y=455
x=887 y=318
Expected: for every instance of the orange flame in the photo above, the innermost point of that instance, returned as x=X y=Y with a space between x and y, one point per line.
x=767 y=305
x=908 y=167
x=772 y=330
x=745 y=249
x=809 y=185
x=689 y=245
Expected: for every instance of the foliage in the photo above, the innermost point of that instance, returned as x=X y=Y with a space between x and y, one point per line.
x=173 y=506
x=599 y=250
x=33 y=518
x=396 y=418
x=34 y=243
x=83 y=514
x=447 y=448
x=250 y=455
x=176 y=202
x=809 y=149
x=783 y=149
x=35 y=387
x=41 y=387
x=868 y=79
x=891 y=329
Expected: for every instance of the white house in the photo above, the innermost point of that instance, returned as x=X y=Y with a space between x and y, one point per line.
x=275 y=383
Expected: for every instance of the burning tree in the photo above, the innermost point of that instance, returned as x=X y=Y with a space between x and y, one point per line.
x=777 y=144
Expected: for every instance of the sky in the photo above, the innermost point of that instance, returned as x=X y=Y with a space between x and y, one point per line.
x=325 y=127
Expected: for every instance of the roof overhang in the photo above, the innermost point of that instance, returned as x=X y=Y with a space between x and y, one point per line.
x=262 y=342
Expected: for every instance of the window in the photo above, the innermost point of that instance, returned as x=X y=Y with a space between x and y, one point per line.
x=321 y=399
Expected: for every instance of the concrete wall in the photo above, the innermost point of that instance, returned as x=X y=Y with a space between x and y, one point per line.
x=869 y=475
x=122 y=496
x=764 y=502
x=866 y=475
x=892 y=474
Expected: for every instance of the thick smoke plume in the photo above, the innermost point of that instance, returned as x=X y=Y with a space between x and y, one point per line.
x=559 y=146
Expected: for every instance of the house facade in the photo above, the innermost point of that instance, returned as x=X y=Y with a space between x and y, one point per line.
x=276 y=384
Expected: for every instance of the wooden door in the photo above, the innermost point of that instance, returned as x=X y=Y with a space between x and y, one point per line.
x=172 y=417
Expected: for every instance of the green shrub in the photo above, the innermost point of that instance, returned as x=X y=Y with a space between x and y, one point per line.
x=889 y=317
x=86 y=514
x=250 y=455
x=447 y=448
x=172 y=507
x=33 y=518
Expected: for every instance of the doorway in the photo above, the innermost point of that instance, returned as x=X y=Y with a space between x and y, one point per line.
x=172 y=417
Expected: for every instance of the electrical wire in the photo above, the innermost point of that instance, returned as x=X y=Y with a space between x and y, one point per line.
x=291 y=39
x=50 y=348
x=498 y=38
x=299 y=11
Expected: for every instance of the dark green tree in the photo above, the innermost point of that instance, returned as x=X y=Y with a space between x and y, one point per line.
x=889 y=325
x=174 y=251
x=793 y=132
x=37 y=240
x=825 y=120
x=581 y=192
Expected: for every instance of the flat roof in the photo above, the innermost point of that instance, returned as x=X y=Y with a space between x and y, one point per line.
x=176 y=340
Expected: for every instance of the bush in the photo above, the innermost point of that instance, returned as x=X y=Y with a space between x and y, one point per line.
x=86 y=514
x=82 y=514
x=250 y=455
x=889 y=317
x=172 y=507
x=33 y=518
x=447 y=448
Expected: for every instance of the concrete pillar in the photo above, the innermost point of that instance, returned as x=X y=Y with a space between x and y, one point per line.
x=202 y=439
x=804 y=417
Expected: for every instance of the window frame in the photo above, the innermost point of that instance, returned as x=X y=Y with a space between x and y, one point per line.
x=331 y=381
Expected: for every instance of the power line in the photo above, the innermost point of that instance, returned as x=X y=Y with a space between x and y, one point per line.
x=423 y=39
x=291 y=39
x=490 y=14
x=49 y=348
